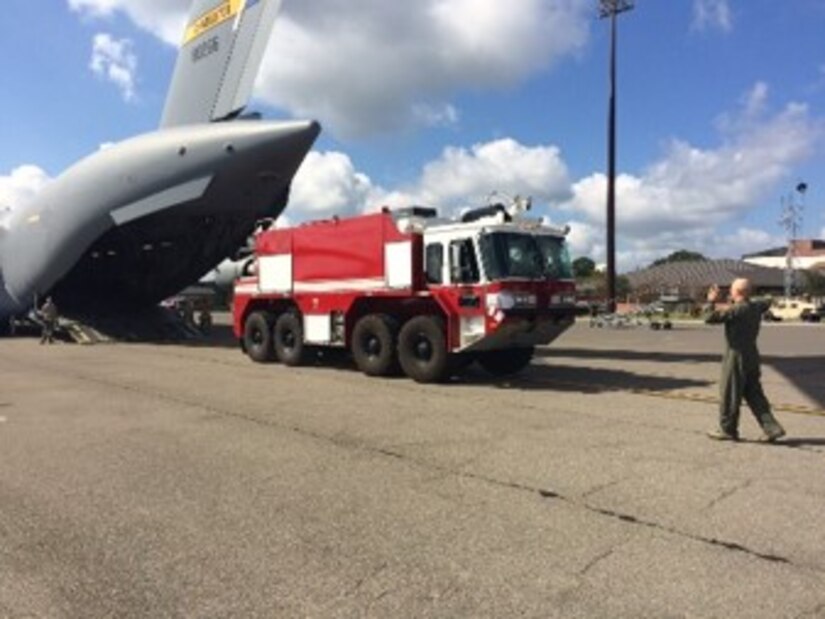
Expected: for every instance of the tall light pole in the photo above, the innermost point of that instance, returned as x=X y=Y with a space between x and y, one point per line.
x=611 y=9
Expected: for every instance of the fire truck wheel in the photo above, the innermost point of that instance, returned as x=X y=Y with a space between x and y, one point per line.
x=422 y=349
x=289 y=339
x=374 y=345
x=257 y=338
x=504 y=362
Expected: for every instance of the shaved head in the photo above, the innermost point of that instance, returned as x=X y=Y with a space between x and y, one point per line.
x=740 y=288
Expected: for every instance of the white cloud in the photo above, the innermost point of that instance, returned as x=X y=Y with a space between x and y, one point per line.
x=445 y=115
x=585 y=239
x=164 y=18
x=709 y=14
x=679 y=201
x=745 y=240
x=708 y=242
x=329 y=184
x=115 y=61
x=366 y=66
x=21 y=186
x=755 y=100
x=463 y=175
x=639 y=252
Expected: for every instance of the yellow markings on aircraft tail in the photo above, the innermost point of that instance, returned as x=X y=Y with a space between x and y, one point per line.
x=213 y=18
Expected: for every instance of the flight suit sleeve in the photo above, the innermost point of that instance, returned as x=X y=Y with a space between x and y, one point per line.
x=714 y=316
x=763 y=304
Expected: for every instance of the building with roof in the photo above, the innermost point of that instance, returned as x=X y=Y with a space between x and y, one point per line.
x=807 y=254
x=691 y=280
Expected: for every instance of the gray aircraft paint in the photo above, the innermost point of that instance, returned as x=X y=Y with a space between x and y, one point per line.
x=234 y=168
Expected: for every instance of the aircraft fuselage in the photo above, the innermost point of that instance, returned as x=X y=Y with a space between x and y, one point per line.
x=136 y=222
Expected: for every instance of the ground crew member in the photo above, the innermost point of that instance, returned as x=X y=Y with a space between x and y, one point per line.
x=741 y=364
x=188 y=310
x=205 y=321
x=594 y=314
x=48 y=314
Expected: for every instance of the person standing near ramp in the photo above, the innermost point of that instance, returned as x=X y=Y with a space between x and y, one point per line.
x=741 y=362
x=49 y=315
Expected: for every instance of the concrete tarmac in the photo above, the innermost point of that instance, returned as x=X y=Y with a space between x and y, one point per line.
x=186 y=481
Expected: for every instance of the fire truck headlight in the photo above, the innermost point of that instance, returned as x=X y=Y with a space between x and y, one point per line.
x=501 y=300
x=472 y=329
x=558 y=299
x=526 y=300
x=509 y=300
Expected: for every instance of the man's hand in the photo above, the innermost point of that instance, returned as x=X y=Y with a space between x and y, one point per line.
x=713 y=294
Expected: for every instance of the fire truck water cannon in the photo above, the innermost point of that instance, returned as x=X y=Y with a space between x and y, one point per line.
x=406 y=290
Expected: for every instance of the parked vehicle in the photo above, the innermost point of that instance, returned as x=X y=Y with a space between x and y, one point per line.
x=812 y=315
x=789 y=309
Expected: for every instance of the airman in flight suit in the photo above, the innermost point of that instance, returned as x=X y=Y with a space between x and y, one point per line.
x=741 y=364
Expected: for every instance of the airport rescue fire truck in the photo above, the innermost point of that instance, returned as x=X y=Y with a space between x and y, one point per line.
x=407 y=290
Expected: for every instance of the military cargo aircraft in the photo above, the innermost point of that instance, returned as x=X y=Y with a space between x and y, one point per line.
x=136 y=222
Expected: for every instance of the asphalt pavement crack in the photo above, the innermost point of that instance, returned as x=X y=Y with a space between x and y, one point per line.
x=600 y=487
x=634 y=520
x=365 y=579
x=727 y=494
x=595 y=561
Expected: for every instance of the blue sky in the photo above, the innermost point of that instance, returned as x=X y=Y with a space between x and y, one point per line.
x=721 y=107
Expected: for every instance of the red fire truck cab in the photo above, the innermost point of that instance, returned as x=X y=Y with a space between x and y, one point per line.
x=407 y=290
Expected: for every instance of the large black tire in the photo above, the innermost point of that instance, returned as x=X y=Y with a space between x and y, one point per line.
x=257 y=338
x=506 y=362
x=422 y=349
x=374 y=345
x=288 y=336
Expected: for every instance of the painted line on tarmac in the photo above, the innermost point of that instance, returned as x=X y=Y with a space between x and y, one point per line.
x=797 y=409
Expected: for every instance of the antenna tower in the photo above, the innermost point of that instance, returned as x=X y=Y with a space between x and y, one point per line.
x=792 y=218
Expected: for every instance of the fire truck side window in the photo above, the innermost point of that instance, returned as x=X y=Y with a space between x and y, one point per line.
x=463 y=263
x=435 y=263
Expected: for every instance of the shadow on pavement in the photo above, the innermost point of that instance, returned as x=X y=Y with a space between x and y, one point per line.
x=557 y=352
x=560 y=378
x=806 y=373
x=219 y=336
x=801 y=442
x=579 y=379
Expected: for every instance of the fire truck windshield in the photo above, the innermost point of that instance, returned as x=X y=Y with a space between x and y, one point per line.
x=524 y=256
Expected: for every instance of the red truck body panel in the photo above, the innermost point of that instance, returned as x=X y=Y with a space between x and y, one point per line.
x=336 y=249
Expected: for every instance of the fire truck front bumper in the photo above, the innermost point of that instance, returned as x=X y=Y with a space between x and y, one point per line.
x=525 y=329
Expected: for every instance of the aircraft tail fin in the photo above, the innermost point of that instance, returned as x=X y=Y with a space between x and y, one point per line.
x=222 y=49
